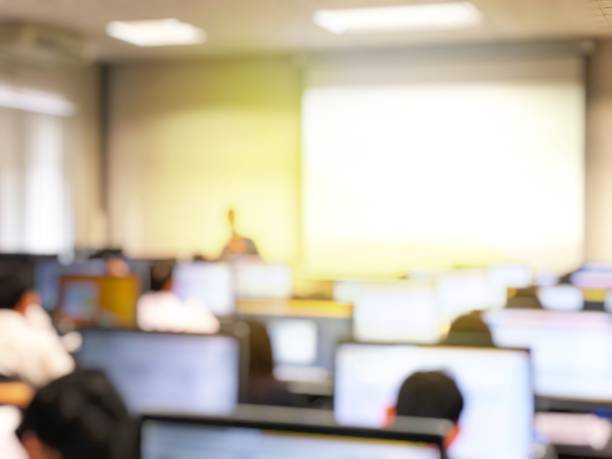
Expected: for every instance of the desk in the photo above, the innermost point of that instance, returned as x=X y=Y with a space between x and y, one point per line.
x=296 y=308
x=576 y=435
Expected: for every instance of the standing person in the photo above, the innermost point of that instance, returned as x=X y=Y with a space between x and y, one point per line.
x=238 y=245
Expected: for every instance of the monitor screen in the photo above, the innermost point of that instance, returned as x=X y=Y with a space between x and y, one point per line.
x=460 y=292
x=210 y=284
x=167 y=372
x=81 y=299
x=294 y=341
x=511 y=276
x=257 y=280
x=164 y=440
x=561 y=298
x=497 y=418
x=393 y=312
x=593 y=279
x=571 y=351
x=47 y=275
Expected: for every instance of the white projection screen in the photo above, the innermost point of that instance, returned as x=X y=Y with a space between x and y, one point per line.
x=436 y=163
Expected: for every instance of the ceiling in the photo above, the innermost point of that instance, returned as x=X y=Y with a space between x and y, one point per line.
x=263 y=26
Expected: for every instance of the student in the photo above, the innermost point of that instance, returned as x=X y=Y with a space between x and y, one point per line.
x=469 y=330
x=79 y=416
x=431 y=394
x=161 y=310
x=115 y=264
x=30 y=349
x=525 y=298
x=238 y=246
x=263 y=387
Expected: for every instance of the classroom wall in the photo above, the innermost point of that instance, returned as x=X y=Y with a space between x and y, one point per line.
x=79 y=83
x=599 y=156
x=189 y=140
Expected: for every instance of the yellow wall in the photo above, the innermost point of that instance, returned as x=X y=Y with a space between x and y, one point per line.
x=599 y=156
x=188 y=140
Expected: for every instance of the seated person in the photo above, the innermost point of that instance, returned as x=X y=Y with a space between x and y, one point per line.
x=161 y=310
x=31 y=352
x=79 y=416
x=238 y=246
x=114 y=261
x=263 y=387
x=525 y=298
x=433 y=395
x=469 y=330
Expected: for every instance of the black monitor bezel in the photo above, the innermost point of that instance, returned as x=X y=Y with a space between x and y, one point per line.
x=421 y=431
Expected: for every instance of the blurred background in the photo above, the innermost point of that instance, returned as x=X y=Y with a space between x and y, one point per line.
x=357 y=187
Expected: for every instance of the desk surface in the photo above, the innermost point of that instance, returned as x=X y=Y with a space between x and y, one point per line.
x=296 y=308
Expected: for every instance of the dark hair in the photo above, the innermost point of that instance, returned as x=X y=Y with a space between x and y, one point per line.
x=14 y=283
x=80 y=415
x=161 y=274
x=107 y=253
x=470 y=330
x=261 y=363
x=431 y=394
x=524 y=298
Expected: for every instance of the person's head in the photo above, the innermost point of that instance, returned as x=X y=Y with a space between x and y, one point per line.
x=469 y=330
x=430 y=394
x=78 y=416
x=524 y=298
x=261 y=363
x=17 y=290
x=114 y=260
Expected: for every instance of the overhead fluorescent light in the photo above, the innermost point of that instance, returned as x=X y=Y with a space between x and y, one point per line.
x=29 y=100
x=163 y=32
x=402 y=17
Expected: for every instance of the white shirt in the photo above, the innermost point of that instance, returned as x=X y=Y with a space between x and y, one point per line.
x=9 y=421
x=30 y=349
x=163 y=311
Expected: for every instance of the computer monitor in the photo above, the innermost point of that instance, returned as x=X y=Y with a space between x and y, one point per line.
x=497 y=420
x=561 y=298
x=99 y=300
x=397 y=311
x=347 y=291
x=463 y=291
x=266 y=434
x=80 y=299
x=263 y=281
x=511 y=275
x=48 y=272
x=294 y=341
x=167 y=372
x=593 y=276
x=571 y=351
x=210 y=284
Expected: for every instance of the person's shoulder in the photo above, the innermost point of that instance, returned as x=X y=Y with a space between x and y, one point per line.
x=10 y=318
